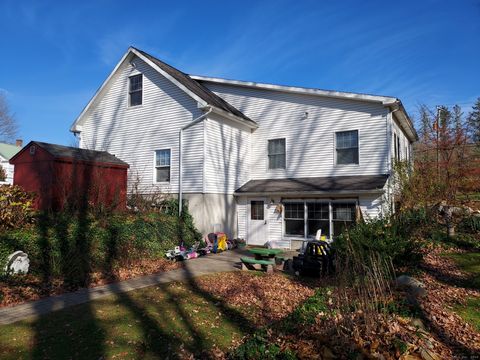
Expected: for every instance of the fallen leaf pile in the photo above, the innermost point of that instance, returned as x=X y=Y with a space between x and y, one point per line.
x=440 y=278
x=270 y=297
x=19 y=289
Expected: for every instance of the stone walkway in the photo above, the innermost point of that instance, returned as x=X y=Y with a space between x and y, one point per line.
x=227 y=261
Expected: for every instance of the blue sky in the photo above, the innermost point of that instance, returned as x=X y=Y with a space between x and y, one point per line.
x=55 y=54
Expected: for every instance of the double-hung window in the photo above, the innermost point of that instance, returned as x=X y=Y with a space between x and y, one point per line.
x=162 y=165
x=135 y=90
x=276 y=154
x=294 y=219
x=347 y=147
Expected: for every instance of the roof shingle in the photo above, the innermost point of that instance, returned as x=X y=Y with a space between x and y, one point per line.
x=196 y=87
x=328 y=184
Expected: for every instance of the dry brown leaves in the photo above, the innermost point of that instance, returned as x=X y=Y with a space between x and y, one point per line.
x=19 y=289
x=441 y=278
x=270 y=297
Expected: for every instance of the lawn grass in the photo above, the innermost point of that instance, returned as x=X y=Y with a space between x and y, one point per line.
x=154 y=322
x=470 y=263
x=470 y=312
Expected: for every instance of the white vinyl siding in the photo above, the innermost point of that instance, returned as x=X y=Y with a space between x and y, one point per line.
x=401 y=147
x=311 y=139
x=226 y=156
x=8 y=170
x=134 y=133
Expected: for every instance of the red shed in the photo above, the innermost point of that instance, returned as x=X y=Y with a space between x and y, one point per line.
x=61 y=174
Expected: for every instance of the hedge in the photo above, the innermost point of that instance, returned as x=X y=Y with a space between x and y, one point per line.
x=72 y=245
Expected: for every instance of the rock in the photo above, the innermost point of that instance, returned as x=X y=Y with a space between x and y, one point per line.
x=418 y=324
x=17 y=263
x=429 y=355
x=412 y=285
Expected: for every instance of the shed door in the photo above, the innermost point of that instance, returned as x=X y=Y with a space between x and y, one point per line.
x=257 y=222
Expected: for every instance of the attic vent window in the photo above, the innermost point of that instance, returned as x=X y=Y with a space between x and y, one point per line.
x=33 y=148
x=135 y=90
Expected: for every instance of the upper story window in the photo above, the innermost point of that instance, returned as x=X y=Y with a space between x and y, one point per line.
x=276 y=154
x=162 y=165
x=347 y=147
x=135 y=90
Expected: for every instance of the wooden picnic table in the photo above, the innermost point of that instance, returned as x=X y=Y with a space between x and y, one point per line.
x=263 y=253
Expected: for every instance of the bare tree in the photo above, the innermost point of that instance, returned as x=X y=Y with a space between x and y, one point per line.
x=8 y=124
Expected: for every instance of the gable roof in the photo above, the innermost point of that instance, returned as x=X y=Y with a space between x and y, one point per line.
x=195 y=89
x=389 y=101
x=7 y=151
x=68 y=152
x=316 y=185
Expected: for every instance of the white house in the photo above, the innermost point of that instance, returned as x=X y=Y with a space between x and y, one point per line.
x=7 y=151
x=262 y=162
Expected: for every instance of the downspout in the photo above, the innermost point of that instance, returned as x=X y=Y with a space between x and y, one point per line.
x=180 y=187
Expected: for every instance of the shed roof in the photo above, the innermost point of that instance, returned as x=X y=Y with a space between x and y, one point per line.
x=7 y=151
x=68 y=152
x=330 y=184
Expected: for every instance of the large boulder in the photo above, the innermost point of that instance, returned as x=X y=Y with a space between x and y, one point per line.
x=411 y=285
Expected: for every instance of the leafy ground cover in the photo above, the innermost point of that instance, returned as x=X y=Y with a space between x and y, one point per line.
x=204 y=317
x=469 y=308
x=15 y=290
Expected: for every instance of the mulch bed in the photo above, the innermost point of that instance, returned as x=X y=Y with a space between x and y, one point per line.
x=22 y=288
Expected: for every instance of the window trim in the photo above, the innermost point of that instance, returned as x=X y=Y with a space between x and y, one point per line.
x=128 y=91
x=155 y=166
x=268 y=158
x=330 y=202
x=335 y=163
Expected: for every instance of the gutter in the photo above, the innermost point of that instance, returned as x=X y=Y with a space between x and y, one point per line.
x=397 y=105
x=180 y=162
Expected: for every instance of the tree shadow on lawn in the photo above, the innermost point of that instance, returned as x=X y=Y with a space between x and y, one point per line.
x=448 y=275
x=168 y=323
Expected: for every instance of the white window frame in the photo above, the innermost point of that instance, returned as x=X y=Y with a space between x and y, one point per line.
x=330 y=215
x=335 y=163
x=128 y=90
x=155 y=166
x=268 y=159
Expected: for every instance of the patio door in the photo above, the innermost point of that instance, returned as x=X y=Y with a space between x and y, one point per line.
x=257 y=222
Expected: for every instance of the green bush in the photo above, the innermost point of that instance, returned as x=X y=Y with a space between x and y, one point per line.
x=397 y=238
x=470 y=225
x=72 y=245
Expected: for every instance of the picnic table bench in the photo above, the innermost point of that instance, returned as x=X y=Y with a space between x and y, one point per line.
x=264 y=259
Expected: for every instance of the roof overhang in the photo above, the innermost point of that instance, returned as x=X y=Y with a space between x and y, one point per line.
x=233 y=117
x=311 y=193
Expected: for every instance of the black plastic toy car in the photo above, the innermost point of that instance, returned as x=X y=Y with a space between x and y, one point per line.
x=316 y=260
